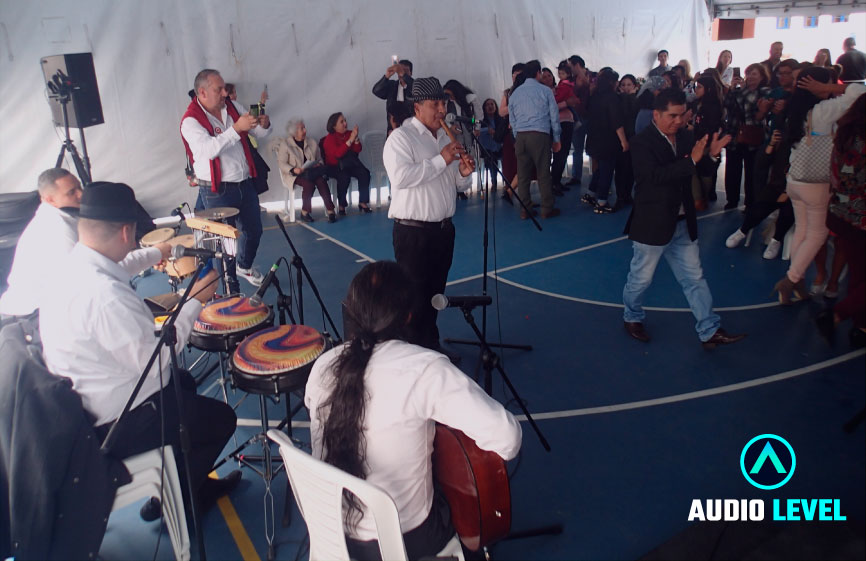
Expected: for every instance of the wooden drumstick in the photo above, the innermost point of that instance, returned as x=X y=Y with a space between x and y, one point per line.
x=463 y=157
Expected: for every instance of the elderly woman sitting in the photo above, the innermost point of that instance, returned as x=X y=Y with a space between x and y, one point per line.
x=301 y=164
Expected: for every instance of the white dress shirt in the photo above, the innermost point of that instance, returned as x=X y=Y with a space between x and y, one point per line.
x=408 y=388
x=422 y=185
x=97 y=332
x=226 y=145
x=45 y=242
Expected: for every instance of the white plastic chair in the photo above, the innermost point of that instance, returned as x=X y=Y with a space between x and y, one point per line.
x=374 y=145
x=318 y=489
x=289 y=202
x=145 y=470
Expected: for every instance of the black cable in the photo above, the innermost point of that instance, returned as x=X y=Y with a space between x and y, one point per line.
x=162 y=461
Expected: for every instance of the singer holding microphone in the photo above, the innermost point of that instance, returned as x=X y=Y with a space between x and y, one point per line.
x=424 y=165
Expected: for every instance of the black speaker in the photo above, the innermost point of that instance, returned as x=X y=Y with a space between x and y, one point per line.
x=85 y=107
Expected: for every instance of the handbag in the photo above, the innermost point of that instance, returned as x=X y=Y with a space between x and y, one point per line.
x=349 y=160
x=262 y=170
x=810 y=159
x=750 y=135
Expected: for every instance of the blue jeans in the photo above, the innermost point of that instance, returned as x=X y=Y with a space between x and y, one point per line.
x=243 y=197
x=685 y=262
x=578 y=140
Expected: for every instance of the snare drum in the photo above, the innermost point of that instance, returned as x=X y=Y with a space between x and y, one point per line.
x=222 y=324
x=185 y=266
x=277 y=360
x=159 y=235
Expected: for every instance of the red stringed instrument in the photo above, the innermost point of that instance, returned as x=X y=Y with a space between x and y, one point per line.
x=475 y=483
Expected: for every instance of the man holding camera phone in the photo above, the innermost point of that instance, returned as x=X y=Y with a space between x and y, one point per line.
x=215 y=134
x=395 y=91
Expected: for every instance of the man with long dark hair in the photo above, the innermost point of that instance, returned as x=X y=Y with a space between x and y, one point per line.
x=373 y=402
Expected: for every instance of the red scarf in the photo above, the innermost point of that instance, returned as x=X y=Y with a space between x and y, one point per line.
x=195 y=111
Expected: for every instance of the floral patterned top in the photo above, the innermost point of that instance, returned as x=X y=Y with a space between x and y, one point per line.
x=848 y=184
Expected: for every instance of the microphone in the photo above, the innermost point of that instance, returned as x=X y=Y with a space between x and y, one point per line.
x=179 y=251
x=452 y=118
x=440 y=301
x=256 y=299
x=178 y=212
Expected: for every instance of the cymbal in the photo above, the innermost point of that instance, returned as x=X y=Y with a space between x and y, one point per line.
x=217 y=213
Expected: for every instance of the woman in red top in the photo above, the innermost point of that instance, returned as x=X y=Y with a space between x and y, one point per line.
x=341 y=148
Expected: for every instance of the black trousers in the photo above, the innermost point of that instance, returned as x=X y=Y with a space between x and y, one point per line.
x=425 y=255
x=344 y=178
x=623 y=177
x=759 y=210
x=738 y=160
x=210 y=424
x=561 y=158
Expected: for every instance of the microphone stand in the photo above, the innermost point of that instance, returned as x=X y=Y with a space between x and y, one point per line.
x=168 y=336
x=302 y=272
x=488 y=381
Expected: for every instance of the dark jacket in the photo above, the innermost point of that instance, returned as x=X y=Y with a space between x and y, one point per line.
x=387 y=89
x=663 y=182
x=604 y=118
x=58 y=488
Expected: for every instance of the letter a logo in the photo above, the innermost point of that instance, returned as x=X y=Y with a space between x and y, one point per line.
x=756 y=453
x=768 y=452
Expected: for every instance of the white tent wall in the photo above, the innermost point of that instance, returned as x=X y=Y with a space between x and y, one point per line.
x=317 y=57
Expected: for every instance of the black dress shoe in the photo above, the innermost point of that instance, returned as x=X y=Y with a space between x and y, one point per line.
x=342 y=211
x=462 y=196
x=307 y=217
x=637 y=331
x=213 y=489
x=722 y=337
x=365 y=209
x=332 y=217
x=729 y=206
x=151 y=510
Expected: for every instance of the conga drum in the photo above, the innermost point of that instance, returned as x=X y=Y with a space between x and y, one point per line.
x=224 y=323
x=277 y=360
x=157 y=236
x=185 y=266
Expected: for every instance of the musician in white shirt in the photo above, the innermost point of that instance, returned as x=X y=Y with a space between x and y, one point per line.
x=373 y=406
x=98 y=333
x=46 y=240
x=424 y=167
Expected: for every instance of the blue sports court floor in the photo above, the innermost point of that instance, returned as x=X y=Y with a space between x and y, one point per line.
x=637 y=431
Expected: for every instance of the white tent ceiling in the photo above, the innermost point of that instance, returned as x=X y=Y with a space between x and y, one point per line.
x=743 y=9
x=317 y=57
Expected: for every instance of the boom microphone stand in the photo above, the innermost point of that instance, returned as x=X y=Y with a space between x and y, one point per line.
x=488 y=382
x=168 y=337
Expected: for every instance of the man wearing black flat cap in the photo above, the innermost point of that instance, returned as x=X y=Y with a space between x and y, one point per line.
x=98 y=333
x=424 y=167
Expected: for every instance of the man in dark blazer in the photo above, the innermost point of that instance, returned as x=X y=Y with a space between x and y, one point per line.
x=663 y=220
x=395 y=91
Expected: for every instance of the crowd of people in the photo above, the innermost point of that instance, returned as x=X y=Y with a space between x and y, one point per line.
x=793 y=137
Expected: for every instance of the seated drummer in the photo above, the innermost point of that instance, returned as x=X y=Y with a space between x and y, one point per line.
x=373 y=402
x=97 y=332
x=48 y=239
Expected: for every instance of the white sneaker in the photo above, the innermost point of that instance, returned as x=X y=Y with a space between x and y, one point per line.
x=252 y=275
x=772 y=250
x=735 y=239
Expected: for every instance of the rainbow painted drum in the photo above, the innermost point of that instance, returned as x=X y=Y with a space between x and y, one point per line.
x=224 y=323
x=276 y=360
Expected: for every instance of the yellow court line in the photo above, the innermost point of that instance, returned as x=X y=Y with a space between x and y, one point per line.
x=236 y=527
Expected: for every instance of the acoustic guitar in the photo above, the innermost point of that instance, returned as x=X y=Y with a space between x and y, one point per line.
x=475 y=483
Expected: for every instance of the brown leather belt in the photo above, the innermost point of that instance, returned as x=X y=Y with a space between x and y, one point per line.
x=420 y=224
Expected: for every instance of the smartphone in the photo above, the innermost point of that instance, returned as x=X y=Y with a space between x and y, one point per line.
x=393 y=60
x=736 y=72
x=255 y=108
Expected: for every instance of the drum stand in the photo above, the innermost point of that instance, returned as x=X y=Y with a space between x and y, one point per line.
x=266 y=459
x=168 y=337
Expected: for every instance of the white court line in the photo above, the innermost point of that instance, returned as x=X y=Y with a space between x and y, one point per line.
x=347 y=247
x=614 y=305
x=697 y=394
x=565 y=253
x=647 y=402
